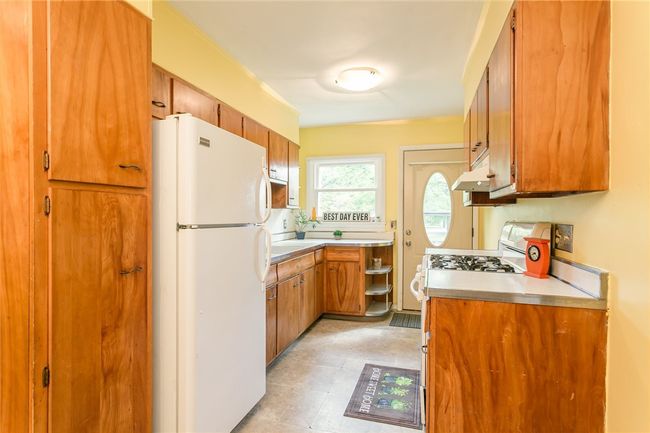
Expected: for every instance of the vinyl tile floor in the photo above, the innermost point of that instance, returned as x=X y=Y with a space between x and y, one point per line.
x=309 y=386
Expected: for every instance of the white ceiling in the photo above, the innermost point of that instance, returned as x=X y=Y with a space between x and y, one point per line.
x=297 y=48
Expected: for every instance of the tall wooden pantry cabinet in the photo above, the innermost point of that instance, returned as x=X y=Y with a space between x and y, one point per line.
x=75 y=220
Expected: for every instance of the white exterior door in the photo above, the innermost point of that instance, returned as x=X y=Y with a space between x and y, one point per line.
x=221 y=326
x=434 y=216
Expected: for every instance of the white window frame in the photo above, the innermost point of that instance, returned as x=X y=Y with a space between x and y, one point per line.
x=380 y=198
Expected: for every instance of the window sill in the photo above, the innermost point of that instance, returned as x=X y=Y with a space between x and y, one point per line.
x=348 y=227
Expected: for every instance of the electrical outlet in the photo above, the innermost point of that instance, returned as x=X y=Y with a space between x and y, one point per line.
x=285 y=224
x=563 y=239
x=393 y=224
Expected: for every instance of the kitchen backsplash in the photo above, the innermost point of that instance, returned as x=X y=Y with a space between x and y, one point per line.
x=276 y=223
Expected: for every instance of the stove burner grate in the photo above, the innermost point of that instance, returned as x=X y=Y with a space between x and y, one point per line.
x=469 y=263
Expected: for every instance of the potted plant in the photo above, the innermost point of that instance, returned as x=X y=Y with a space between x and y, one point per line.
x=338 y=234
x=301 y=223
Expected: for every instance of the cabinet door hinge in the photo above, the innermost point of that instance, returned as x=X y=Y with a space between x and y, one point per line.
x=513 y=170
x=45 y=376
x=472 y=231
x=46 y=160
x=513 y=22
x=47 y=206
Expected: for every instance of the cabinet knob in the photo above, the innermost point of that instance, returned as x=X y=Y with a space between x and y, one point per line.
x=491 y=175
x=158 y=104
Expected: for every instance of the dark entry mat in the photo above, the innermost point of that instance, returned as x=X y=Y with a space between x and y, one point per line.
x=404 y=320
x=388 y=395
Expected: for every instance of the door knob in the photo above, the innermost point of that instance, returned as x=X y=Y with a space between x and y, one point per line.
x=408 y=243
x=408 y=232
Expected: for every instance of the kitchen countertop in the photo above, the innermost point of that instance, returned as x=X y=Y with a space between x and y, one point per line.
x=284 y=250
x=514 y=288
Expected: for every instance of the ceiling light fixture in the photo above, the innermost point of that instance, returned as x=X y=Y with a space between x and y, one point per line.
x=358 y=79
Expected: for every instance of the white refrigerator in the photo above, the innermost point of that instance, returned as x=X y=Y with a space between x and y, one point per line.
x=211 y=253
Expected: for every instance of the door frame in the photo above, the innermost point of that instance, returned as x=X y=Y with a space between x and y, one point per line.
x=400 y=211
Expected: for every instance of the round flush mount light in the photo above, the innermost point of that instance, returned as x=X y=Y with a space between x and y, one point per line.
x=358 y=79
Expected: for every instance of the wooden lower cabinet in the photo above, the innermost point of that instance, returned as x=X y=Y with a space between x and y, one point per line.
x=307 y=299
x=501 y=367
x=319 y=282
x=100 y=313
x=271 y=322
x=343 y=293
x=288 y=312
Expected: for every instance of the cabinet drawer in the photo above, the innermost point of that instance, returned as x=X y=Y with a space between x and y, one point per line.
x=319 y=255
x=272 y=275
x=295 y=266
x=343 y=254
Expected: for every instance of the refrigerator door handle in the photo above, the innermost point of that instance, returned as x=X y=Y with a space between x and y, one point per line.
x=263 y=270
x=265 y=212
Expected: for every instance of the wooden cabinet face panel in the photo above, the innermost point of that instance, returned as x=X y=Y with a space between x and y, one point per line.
x=500 y=108
x=473 y=130
x=231 y=120
x=99 y=94
x=342 y=291
x=294 y=176
x=100 y=332
x=271 y=322
x=295 y=266
x=562 y=58
x=186 y=99
x=161 y=88
x=482 y=99
x=343 y=254
x=319 y=289
x=15 y=284
x=256 y=133
x=467 y=138
x=278 y=157
x=307 y=299
x=288 y=312
x=501 y=367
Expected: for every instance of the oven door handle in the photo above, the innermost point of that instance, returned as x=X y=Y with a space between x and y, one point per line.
x=416 y=282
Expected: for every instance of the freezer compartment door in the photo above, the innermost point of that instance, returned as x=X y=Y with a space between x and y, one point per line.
x=221 y=176
x=221 y=321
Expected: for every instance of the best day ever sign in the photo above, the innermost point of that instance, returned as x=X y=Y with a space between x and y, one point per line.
x=346 y=216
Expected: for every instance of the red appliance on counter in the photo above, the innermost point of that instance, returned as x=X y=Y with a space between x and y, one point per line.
x=538 y=257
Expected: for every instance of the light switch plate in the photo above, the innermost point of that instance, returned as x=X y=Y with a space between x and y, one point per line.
x=563 y=238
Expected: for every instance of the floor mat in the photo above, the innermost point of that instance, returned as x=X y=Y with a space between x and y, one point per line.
x=388 y=395
x=404 y=320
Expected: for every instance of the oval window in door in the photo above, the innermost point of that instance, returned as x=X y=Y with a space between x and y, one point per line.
x=436 y=208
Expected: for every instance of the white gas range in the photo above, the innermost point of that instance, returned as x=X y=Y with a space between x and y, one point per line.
x=497 y=276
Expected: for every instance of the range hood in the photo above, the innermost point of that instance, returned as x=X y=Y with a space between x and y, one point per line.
x=474 y=180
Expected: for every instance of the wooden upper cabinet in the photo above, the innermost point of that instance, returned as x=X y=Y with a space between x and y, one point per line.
x=482 y=98
x=560 y=121
x=278 y=157
x=473 y=130
x=500 y=89
x=256 y=132
x=187 y=99
x=231 y=120
x=161 y=87
x=293 y=193
x=343 y=291
x=99 y=312
x=99 y=93
x=467 y=137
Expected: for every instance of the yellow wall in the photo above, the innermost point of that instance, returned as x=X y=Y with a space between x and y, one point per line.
x=377 y=138
x=143 y=6
x=611 y=228
x=183 y=49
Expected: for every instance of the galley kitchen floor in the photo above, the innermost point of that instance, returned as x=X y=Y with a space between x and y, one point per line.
x=309 y=386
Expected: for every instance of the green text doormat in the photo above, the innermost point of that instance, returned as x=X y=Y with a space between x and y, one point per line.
x=388 y=395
